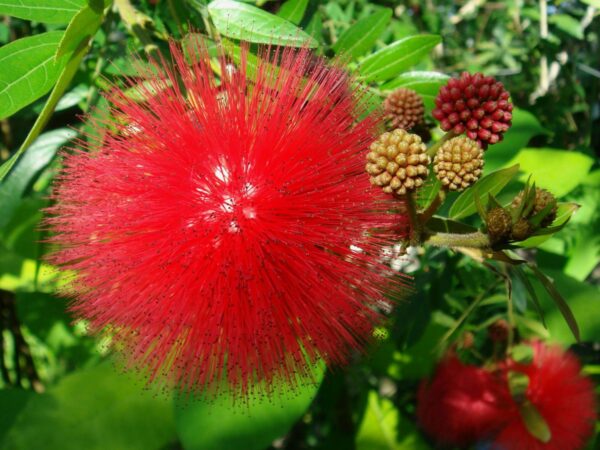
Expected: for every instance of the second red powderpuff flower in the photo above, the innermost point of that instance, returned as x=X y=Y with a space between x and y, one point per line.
x=226 y=232
x=461 y=404
x=563 y=398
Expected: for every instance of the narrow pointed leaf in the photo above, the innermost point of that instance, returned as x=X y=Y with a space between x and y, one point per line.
x=558 y=299
x=493 y=183
x=397 y=57
x=360 y=37
x=293 y=10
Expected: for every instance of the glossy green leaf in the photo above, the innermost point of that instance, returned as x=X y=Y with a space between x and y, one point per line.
x=427 y=84
x=524 y=126
x=40 y=154
x=59 y=89
x=217 y=424
x=293 y=10
x=46 y=11
x=493 y=183
x=29 y=70
x=384 y=428
x=360 y=37
x=397 y=57
x=559 y=171
x=97 y=408
x=241 y=21
x=82 y=27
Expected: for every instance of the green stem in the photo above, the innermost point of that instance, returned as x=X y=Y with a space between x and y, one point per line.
x=453 y=240
x=431 y=151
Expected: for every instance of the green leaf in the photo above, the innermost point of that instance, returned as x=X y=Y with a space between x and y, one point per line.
x=384 y=428
x=29 y=70
x=563 y=215
x=360 y=37
x=493 y=183
x=293 y=10
x=584 y=253
x=241 y=21
x=217 y=424
x=46 y=11
x=40 y=154
x=558 y=171
x=13 y=400
x=94 y=409
x=426 y=84
x=18 y=274
x=82 y=27
x=535 y=422
x=524 y=127
x=429 y=191
x=60 y=87
x=315 y=26
x=584 y=299
x=558 y=299
x=568 y=24
x=441 y=225
x=397 y=57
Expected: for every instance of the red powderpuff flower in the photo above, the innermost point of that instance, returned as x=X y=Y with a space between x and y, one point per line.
x=226 y=231
x=476 y=105
x=563 y=397
x=461 y=404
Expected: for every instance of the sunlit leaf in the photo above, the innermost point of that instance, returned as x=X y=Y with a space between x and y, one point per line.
x=46 y=11
x=242 y=21
x=29 y=70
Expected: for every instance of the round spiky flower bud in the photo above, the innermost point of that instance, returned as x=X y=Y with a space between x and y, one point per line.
x=458 y=163
x=404 y=108
x=521 y=230
x=498 y=223
x=476 y=105
x=543 y=198
x=398 y=162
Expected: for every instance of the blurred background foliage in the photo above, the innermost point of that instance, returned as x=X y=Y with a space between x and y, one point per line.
x=58 y=388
